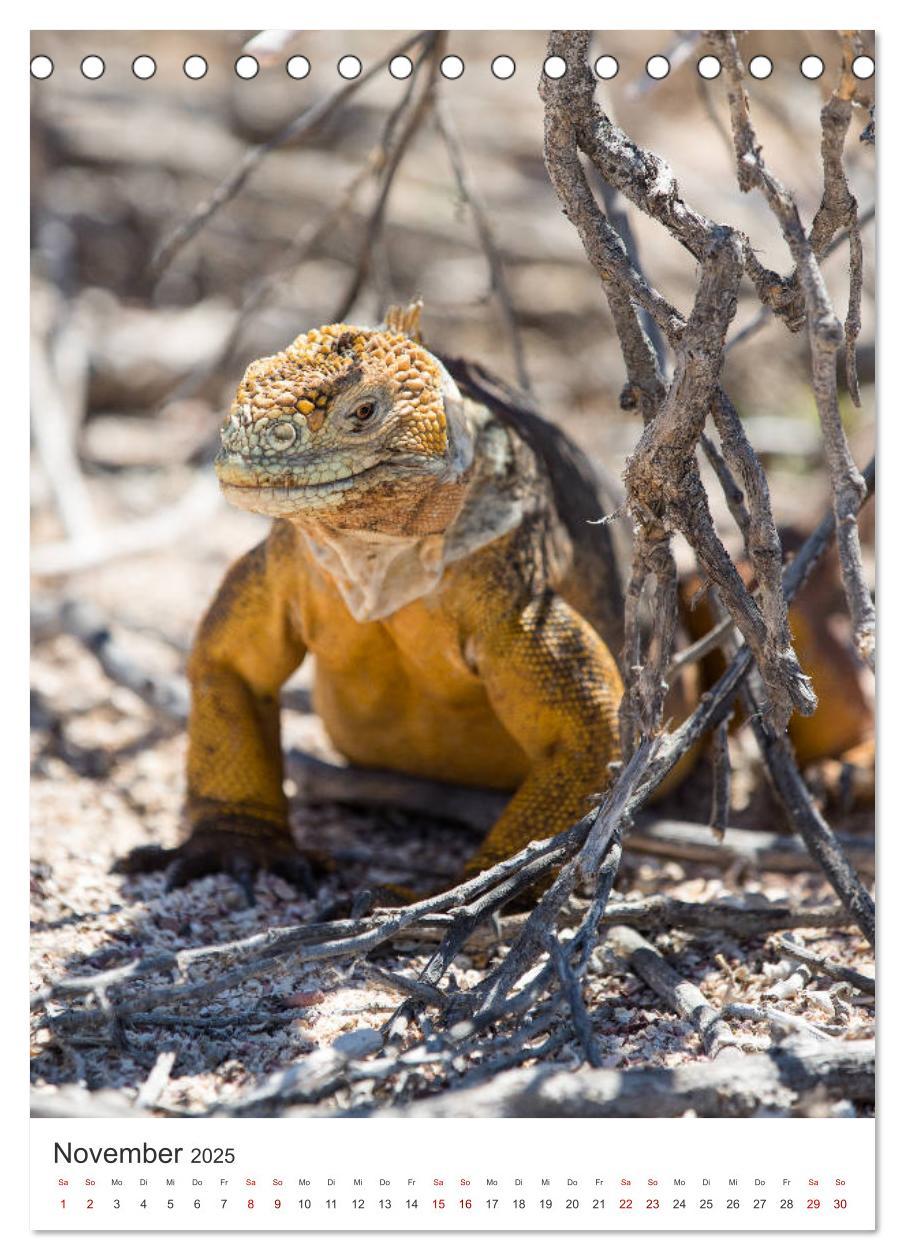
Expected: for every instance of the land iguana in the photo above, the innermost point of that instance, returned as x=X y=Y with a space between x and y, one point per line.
x=433 y=548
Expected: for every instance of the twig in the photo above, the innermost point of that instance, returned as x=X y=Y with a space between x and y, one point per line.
x=468 y=902
x=700 y=648
x=785 y=945
x=425 y=993
x=730 y=916
x=732 y=491
x=792 y=793
x=782 y=1021
x=657 y=913
x=765 y=316
x=487 y=238
x=764 y=850
x=682 y=996
x=721 y=770
x=601 y=841
x=572 y=989
x=414 y=109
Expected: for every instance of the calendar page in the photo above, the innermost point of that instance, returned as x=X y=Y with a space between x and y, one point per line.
x=453 y=623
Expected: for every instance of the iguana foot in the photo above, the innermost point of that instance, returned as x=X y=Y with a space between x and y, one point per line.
x=236 y=847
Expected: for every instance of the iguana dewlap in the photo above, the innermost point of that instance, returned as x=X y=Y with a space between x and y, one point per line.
x=435 y=556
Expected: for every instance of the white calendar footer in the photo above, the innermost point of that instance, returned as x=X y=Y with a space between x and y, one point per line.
x=452 y=1174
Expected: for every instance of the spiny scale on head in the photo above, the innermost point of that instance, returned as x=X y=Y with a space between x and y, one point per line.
x=303 y=379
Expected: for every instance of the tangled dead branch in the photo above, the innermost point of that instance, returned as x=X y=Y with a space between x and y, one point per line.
x=838 y=210
x=664 y=490
x=662 y=479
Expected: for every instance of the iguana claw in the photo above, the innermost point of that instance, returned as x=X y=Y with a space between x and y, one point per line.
x=229 y=848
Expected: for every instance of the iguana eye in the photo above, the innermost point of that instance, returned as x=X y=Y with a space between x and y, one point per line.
x=365 y=410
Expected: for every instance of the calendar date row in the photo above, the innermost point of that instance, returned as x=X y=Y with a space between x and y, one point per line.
x=517 y=1204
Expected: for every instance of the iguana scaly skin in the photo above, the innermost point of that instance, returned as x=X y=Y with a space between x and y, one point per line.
x=436 y=559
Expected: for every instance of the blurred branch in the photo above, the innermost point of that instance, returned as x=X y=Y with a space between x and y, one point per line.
x=793 y=795
x=159 y=529
x=306 y=243
x=167 y=695
x=487 y=238
x=268 y=45
x=411 y=111
x=676 y=53
x=57 y=394
x=755 y=1085
x=300 y=128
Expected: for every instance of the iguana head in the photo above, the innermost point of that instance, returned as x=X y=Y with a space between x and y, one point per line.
x=360 y=428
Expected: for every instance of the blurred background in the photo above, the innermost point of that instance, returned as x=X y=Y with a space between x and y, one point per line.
x=140 y=369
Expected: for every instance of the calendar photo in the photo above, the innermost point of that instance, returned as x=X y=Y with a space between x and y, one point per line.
x=453 y=624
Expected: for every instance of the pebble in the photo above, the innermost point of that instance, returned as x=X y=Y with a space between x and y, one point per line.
x=359 y=1042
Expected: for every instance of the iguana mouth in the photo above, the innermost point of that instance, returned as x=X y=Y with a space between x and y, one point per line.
x=257 y=490
x=260 y=484
x=236 y=471
x=243 y=475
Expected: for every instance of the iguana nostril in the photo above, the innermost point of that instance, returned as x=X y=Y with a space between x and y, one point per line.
x=281 y=435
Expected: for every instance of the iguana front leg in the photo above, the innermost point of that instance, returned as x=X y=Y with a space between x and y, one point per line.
x=246 y=648
x=555 y=687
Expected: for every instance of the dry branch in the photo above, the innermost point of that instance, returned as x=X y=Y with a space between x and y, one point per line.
x=166 y=695
x=782 y=1022
x=762 y=1084
x=57 y=398
x=643 y=177
x=523 y=1010
x=571 y=985
x=657 y=913
x=722 y=772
